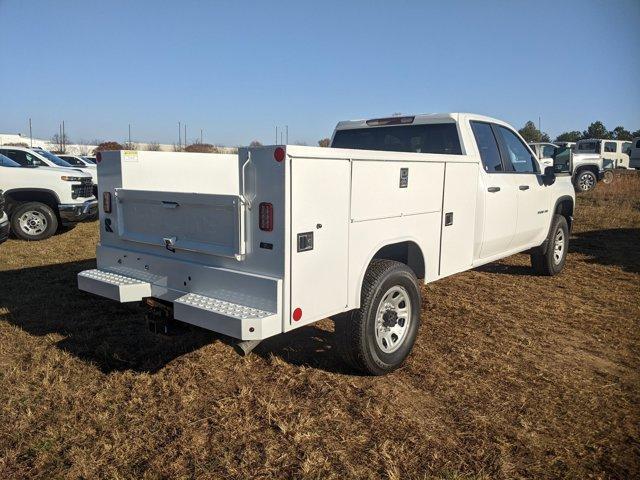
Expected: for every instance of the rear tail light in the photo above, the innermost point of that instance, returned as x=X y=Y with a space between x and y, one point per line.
x=98 y=157
x=278 y=154
x=376 y=122
x=265 y=212
x=106 y=202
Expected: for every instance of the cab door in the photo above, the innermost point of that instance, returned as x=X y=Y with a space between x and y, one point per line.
x=533 y=196
x=500 y=207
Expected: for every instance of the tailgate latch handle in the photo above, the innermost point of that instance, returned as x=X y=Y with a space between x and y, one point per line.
x=170 y=204
x=169 y=243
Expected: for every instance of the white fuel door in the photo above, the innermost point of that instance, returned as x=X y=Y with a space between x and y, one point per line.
x=319 y=238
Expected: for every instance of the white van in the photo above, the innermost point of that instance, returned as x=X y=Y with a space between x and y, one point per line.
x=616 y=151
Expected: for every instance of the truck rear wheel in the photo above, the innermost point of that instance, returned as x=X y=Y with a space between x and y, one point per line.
x=552 y=261
x=607 y=177
x=33 y=221
x=378 y=337
x=585 y=180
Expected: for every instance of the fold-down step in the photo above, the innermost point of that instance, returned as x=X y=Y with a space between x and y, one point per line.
x=233 y=319
x=113 y=286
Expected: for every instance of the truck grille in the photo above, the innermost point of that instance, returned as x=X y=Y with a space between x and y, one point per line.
x=85 y=189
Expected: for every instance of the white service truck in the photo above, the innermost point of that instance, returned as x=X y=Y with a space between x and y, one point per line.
x=278 y=237
x=588 y=168
x=39 y=199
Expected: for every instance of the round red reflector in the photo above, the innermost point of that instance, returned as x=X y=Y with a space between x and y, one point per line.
x=279 y=154
x=98 y=157
x=297 y=314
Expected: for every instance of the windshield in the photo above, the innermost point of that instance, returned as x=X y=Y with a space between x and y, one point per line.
x=427 y=138
x=73 y=161
x=89 y=159
x=50 y=156
x=7 y=162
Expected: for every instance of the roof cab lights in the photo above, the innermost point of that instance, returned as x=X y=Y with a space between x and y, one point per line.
x=377 y=122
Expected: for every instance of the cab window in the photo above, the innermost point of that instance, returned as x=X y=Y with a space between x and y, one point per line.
x=488 y=147
x=518 y=155
x=548 y=151
x=22 y=158
x=610 y=147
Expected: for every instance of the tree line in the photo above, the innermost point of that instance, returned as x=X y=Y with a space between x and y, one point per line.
x=597 y=129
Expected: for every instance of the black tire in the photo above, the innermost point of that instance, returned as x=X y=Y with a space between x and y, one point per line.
x=356 y=330
x=585 y=180
x=547 y=263
x=40 y=219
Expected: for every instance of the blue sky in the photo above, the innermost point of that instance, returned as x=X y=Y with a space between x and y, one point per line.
x=238 y=69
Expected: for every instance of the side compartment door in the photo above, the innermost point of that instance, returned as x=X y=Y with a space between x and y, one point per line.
x=500 y=198
x=320 y=197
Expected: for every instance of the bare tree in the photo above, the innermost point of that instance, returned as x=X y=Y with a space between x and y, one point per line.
x=153 y=146
x=255 y=143
x=60 y=142
x=324 y=142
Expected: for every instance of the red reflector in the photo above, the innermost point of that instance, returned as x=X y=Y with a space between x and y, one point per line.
x=98 y=157
x=279 y=154
x=297 y=314
x=106 y=202
x=265 y=212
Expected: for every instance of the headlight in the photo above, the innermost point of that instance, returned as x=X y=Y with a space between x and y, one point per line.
x=67 y=178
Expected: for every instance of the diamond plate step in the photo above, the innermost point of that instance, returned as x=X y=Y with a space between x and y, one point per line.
x=233 y=319
x=113 y=286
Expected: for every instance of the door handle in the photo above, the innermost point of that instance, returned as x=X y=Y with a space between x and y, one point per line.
x=493 y=189
x=524 y=187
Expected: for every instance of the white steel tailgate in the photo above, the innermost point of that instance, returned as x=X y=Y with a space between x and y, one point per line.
x=207 y=223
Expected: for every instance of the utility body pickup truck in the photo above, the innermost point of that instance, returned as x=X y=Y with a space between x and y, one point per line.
x=277 y=237
x=588 y=168
x=39 y=199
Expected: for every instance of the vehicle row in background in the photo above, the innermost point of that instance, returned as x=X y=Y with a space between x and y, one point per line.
x=39 y=196
x=615 y=151
x=588 y=168
x=634 y=156
x=4 y=220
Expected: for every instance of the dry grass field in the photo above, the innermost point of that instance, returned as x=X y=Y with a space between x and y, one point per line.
x=513 y=376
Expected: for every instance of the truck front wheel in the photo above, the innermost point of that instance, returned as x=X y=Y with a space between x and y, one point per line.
x=552 y=261
x=379 y=336
x=586 y=180
x=33 y=221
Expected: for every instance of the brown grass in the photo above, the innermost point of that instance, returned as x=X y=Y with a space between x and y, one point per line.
x=512 y=376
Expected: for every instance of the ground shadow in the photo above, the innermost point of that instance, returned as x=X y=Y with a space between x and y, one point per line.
x=45 y=300
x=616 y=246
x=504 y=269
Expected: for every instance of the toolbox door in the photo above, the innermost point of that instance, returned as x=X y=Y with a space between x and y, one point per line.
x=320 y=193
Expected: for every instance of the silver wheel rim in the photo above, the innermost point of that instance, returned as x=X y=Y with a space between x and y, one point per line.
x=586 y=182
x=33 y=222
x=558 y=246
x=393 y=319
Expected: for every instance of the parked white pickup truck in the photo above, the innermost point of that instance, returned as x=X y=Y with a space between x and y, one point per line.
x=588 y=168
x=38 y=199
x=279 y=237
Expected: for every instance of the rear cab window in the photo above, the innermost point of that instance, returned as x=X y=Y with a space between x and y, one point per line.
x=488 y=147
x=440 y=138
x=610 y=147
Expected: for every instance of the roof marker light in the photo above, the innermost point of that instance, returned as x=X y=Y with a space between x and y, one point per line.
x=376 y=122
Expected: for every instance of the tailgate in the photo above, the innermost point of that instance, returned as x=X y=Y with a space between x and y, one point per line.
x=206 y=223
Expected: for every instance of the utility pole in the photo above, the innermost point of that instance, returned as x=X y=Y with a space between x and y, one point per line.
x=287 y=135
x=276 y=134
x=30 y=133
x=281 y=138
x=129 y=135
x=64 y=140
x=179 y=138
x=201 y=136
x=540 y=123
x=60 y=136
x=186 y=142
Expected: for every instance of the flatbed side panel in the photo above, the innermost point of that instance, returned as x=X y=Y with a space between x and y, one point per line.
x=320 y=191
x=458 y=217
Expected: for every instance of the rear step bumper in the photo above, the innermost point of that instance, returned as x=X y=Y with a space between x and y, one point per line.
x=236 y=320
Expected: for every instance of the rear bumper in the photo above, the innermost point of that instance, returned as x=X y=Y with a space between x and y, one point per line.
x=238 y=304
x=74 y=213
x=4 y=228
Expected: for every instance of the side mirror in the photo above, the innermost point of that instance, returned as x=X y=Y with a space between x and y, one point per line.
x=549 y=176
x=562 y=160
